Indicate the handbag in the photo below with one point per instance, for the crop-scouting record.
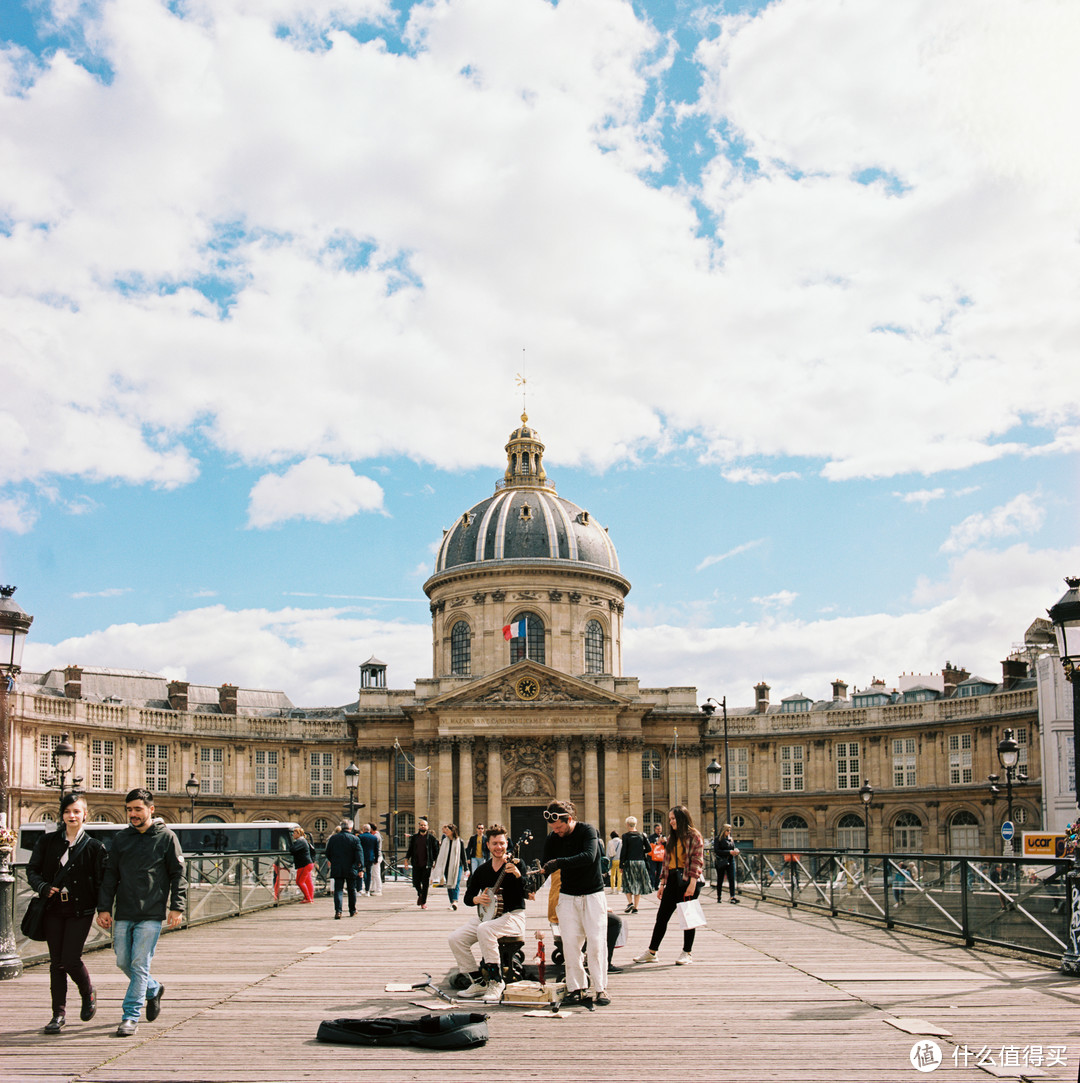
(690, 914)
(33, 922)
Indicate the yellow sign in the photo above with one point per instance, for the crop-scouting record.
(1040, 844)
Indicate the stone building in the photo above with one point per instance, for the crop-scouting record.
(527, 701)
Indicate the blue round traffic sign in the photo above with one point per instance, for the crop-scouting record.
(1008, 830)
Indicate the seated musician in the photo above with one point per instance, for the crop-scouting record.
(498, 886)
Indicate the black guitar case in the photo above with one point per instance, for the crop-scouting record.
(445, 1030)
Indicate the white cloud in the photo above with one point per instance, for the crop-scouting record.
(313, 489)
(921, 496)
(108, 592)
(752, 475)
(1021, 515)
(708, 562)
(781, 599)
(371, 210)
(16, 515)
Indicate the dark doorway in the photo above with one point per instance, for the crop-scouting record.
(531, 818)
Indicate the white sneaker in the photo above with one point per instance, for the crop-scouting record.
(685, 959)
(494, 992)
(646, 957)
(473, 991)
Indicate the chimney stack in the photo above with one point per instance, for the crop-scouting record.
(227, 698)
(1013, 670)
(761, 693)
(839, 690)
(73, 682)
(178, 695)
(953, 676)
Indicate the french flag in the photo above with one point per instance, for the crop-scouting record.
(515, 630)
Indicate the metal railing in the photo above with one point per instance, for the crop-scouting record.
(1010, 902)
(218, 887)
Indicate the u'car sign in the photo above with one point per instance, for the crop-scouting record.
(1043, 844)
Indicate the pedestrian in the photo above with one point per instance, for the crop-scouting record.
(345, 856)
(898, 881)
(303, 864)
(476, 849)
(369, 846)
(144, 880)
(66, 870)
(680, 880)
(421, 855)
(376, 864)
(633, 860)
(614, 848)
(575, 849)
(656, 855)
(724, 851)
(450, 862)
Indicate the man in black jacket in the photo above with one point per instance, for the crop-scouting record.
(144, 876)
(422, 851)
(346, 856)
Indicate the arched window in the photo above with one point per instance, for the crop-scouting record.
(594, 647)
(404, 826)
(851, 832)
(529, 645)
(738, 822)
(907, 834)
(794, 833)
(321, 824)
(963, 833)
(650, 764)
(460, 649)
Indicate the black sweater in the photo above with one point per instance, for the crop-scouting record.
(577, 856)
(82, 875)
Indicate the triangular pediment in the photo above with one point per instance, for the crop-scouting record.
(528, 684)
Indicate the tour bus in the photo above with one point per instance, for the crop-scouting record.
(262, 836)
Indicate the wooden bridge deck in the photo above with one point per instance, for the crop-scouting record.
(773, 995)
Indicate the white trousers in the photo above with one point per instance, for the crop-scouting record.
(487, 933)
(581, 918)
(376, 879)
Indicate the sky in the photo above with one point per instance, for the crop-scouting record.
(793, 287)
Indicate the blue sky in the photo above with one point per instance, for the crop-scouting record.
(795, 284)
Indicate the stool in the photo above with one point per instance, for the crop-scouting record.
(511, 957)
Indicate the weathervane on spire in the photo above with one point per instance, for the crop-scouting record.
(521, 382)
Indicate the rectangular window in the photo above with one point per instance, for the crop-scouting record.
(650, 764)
(847, 765)
(740, 769)
(791, 767)
(904, 773)
(406, 770)
(46, 743)
(322, 774)
(959, 758)
(1021, 737)
(157, 768)
(102, 764)
(266, 765)
(212, 770)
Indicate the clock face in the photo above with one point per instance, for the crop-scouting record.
(527, 688)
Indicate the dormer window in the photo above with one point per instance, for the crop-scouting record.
(467, 518)
(526, 512)
(583, 518)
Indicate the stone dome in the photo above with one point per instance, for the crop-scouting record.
(525, 520)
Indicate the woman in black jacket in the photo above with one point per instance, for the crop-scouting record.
(66, 870)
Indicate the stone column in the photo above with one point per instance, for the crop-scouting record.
(446, 781)
(632, 751)
(614, 794)
(691, 773)
(592, 780)
(465, 821)
(676, 776)
(421, 785)
(562, 768)
(494, 782)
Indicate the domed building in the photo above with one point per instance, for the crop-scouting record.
(527, 700)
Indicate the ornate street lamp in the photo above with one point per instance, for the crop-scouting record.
(708, 707)
(866, 792)
(63, 758)
(1066, 619)
(1008, 752)
(352, 777)
(712, 774)
(14, 625)
(192, 786)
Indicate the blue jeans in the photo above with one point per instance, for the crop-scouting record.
(134, 943)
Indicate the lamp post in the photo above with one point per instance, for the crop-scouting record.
(1008, 752)
(63, 758)
(14, 624)
(709, 706)
(713, 773)
(866, 792)
(1065, 616)
(352, 777)
(192, 786)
